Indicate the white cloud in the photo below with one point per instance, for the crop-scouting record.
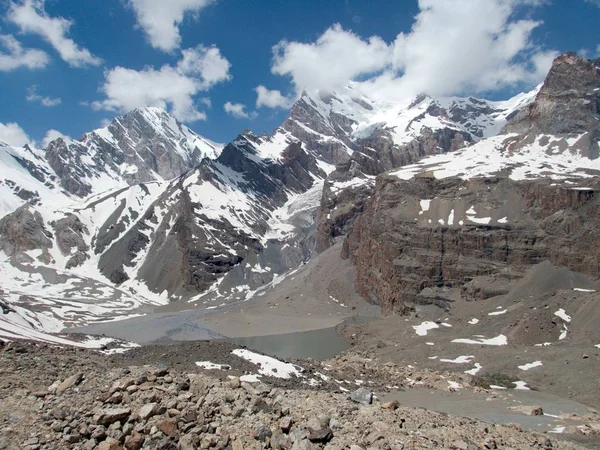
(12, 134)
(205, 63)
(17, 56)
(30, 17)
(336, 57)
(454, 47)
(33, 96)
(52, 135)
(160, 19)
(271, 98)
(170, 87)
(238, 110)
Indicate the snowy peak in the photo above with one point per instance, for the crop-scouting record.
(343, 126)
(144, 145)
(557, 136)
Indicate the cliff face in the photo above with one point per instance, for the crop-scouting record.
(424, 233)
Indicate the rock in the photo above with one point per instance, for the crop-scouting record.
(362, 395)
(321, 436)
(199, 384)
(393, 405)
(285, 424)
(188, 442)
(111, 415)
(147, 411)
(235, 382)
(528, 410)
(262, 432)
(110, 444)
(90, 444)
(69, 382)
(302, 445)
(169, 427)
(279, 441)
(134, 442)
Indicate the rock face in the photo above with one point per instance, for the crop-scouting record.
(531, 197)
(424, 233)
(144, 145)
(568, 102)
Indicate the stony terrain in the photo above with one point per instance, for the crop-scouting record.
(64, 398)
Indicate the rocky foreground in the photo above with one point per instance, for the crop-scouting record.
(65, 398)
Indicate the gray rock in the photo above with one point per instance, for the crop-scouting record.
(362, 395)
(111, 415)
(147, 411)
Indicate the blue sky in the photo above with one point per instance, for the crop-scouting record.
(70, 65)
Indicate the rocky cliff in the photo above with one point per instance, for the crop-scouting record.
(422, 234)
(493, 208)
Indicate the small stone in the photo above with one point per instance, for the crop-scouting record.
(108, 416)
(71, 438)
(393, 405)
(321, 436)
(134, 442)
(285, 424)
(169, 427)
(89, 444)
(362, 395)
(302, 445)
(147, 411)
(279, 441)
(69, 382)
(110, 444)
(262, 432)
(235, 383)
(528, 410)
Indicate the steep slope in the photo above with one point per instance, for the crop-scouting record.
(494, 208)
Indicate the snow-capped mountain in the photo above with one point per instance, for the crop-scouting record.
(146, 212)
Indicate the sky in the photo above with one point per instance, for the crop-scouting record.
(223, 66)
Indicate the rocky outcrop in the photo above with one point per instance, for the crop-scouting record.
(24, 230)
(339, 208)
(424, 233)
(379, 154)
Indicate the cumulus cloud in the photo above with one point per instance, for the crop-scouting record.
(170, 87)
(238, 110)
(454, 47)
(52, 135)
(12, 134)
(271, 98)
(160, 19)
(33, 96)
(16, 56)
(338, 54)
(30, 17)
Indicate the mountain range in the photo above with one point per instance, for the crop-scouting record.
(425, 194)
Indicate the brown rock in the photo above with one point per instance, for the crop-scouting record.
(134, 442)
(110, 444)
(393, 405)
(169, 427)
(69, 382)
